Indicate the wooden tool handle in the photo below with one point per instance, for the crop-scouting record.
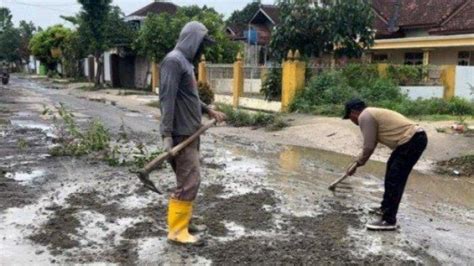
(334, 184)
(161, 158)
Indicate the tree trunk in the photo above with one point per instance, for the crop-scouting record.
(98, 76)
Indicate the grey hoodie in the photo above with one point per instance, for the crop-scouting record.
(181, 108)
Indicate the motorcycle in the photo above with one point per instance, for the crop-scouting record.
(5, 78)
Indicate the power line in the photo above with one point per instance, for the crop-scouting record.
(45, 4)
(38, 6)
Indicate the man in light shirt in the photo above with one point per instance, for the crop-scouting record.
(404, 137)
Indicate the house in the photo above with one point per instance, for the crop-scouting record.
(258, 34)
(437, 32)
(416, 32)
(123, 67)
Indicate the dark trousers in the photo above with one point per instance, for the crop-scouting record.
(399, 166)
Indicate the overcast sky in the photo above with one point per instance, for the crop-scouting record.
(46, 12)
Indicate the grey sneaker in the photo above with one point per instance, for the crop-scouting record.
(381, 225)
(376, 210)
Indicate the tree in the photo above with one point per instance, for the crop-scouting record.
(43, 42)
(26, 30)
(9, 37)
(5, 19)
(342, 27)
(117, 33)
(93, 27)
(150, 41)
(242, 17)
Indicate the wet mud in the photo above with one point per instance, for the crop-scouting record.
(262, 205)
(461, 166)
(246, 210)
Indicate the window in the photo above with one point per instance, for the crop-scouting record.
(379, 58)
(413, 58)
(465, 58)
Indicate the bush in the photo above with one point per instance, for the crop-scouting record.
(328, 88)
(405, 74)
(336, 87)
(205, 93)
(380, 89)
(455, 106)
(271, 86)
(359, 75)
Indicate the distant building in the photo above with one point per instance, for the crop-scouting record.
(419, 32)
(258, 34)
(407, 32)
(123, 67)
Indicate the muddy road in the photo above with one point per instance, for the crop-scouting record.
(263, 203)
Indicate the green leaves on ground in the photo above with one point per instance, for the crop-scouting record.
(97, 141)
(241, 118)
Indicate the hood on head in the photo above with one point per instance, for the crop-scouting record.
(190, 39)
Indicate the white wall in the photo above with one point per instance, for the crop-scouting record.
(465, 82)
(38, 63)
(107, 70)
(423, 92)
(225, 85)
(86, 67)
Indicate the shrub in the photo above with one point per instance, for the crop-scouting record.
(205, 93)
(380, 89)
(405, 74)
(271, 86)
(359, 75)
(455, 106)
(460, 106)
(329, 87)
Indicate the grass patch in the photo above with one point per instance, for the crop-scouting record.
(241, 118)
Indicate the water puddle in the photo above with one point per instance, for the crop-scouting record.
(15, 225)
(157, 251)
(25, 176)
(30, 124)
(133, 115)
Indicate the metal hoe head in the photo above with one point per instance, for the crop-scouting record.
(144, 178)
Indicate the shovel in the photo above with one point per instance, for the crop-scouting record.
(144, 174)
(332, 187)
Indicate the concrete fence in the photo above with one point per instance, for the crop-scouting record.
(240, 85)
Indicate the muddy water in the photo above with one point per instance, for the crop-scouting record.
(437, 212)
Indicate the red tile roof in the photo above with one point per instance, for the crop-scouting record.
(156, 8)
(437, 16)
(461, 22)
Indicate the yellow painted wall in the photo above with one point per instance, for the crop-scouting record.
(440, 56)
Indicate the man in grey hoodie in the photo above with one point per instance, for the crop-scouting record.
(181, 112)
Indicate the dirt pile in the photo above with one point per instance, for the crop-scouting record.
(462, 166)
(246, 210)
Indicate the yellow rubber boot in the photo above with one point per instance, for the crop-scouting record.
(179, 215)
